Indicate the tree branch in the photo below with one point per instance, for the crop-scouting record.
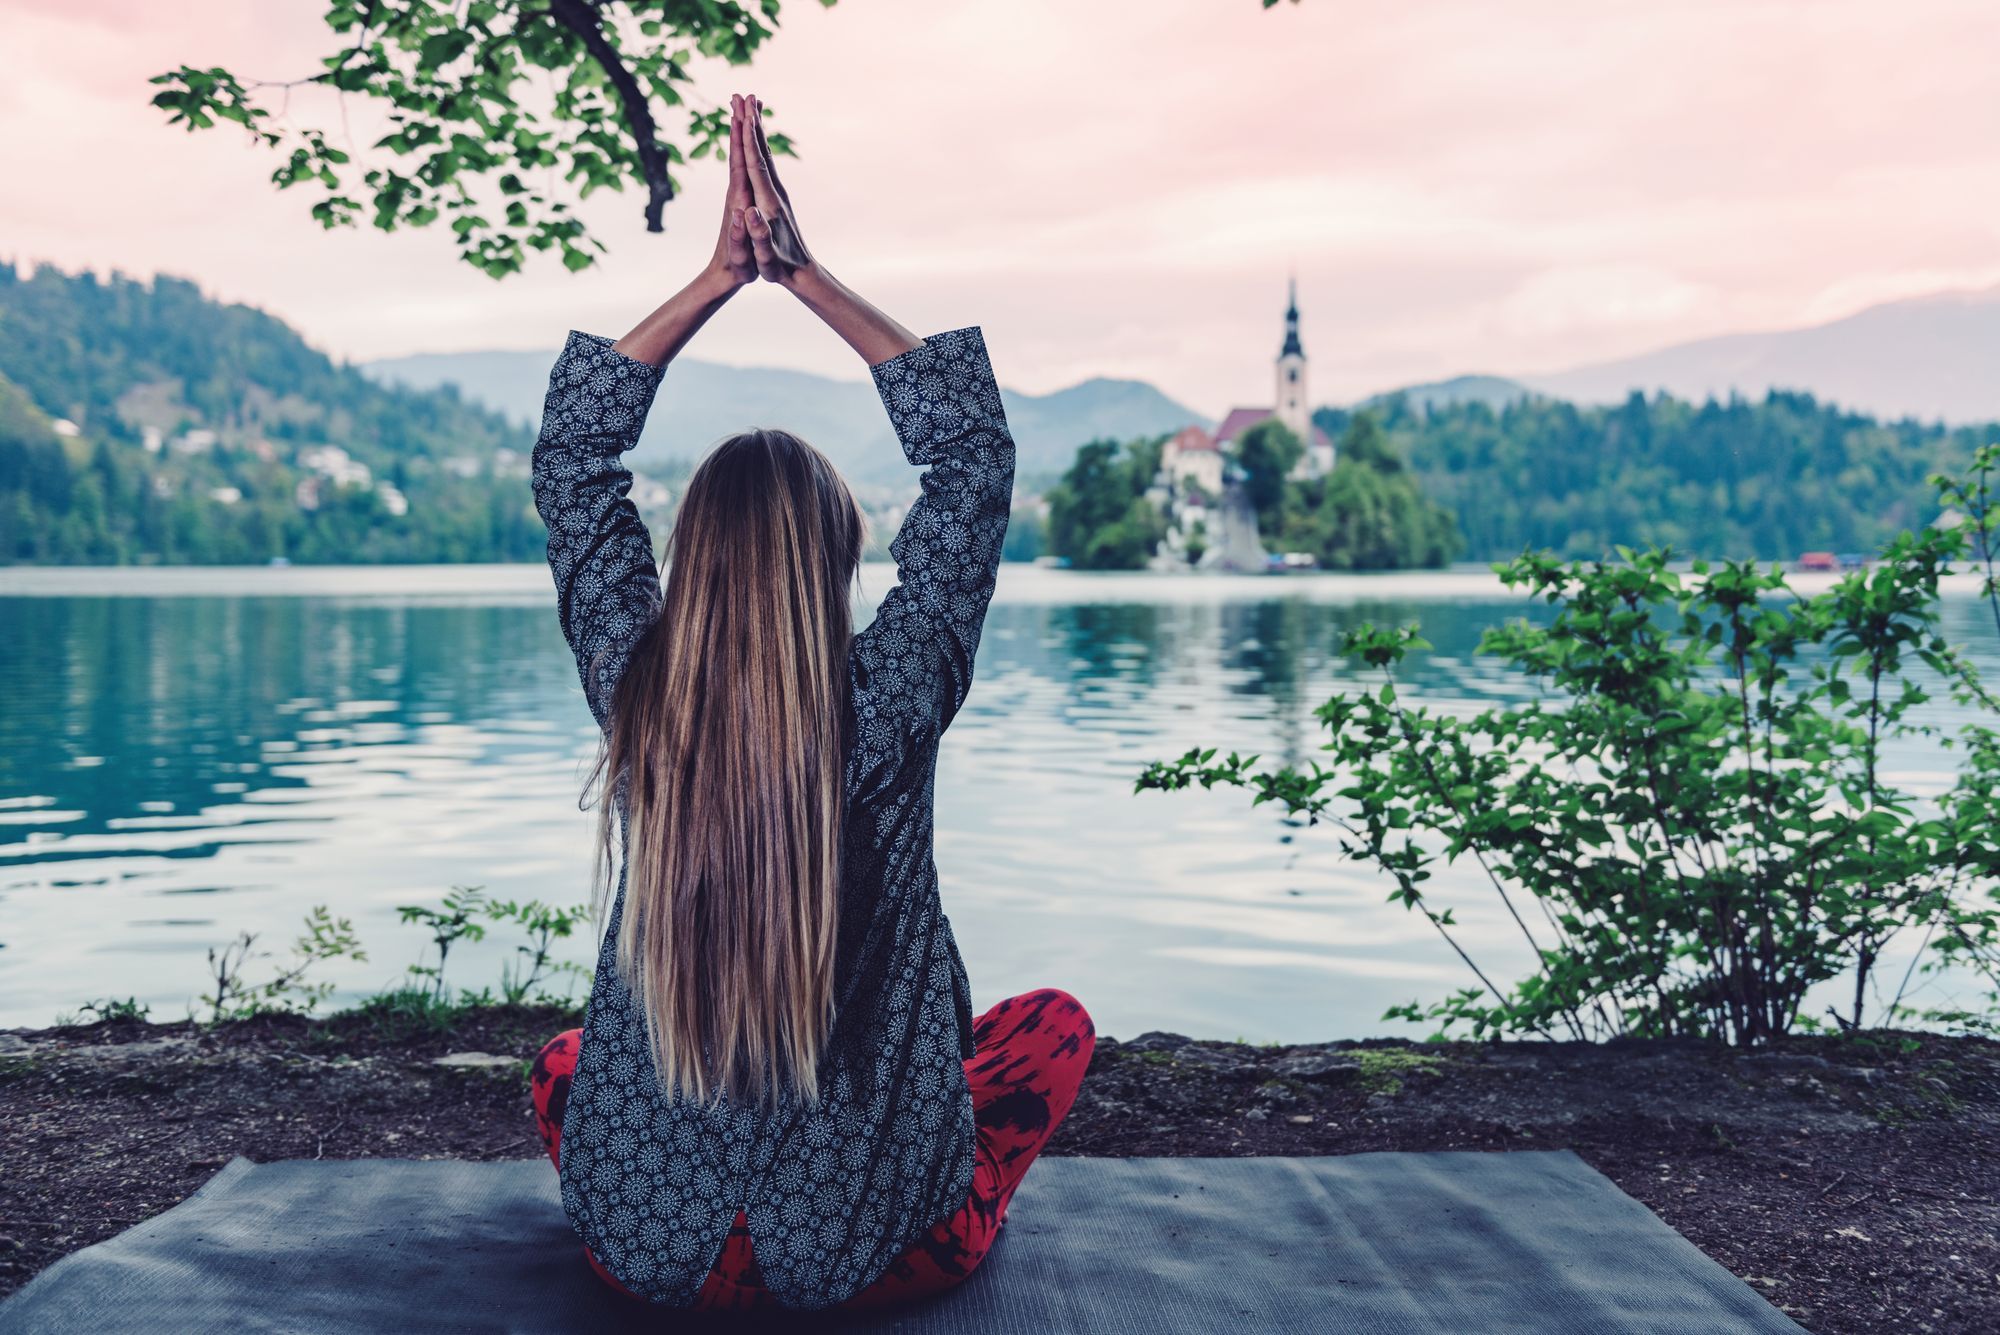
(582, 19)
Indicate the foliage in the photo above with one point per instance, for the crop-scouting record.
(455, 922)
(1369, 513)
(1697, 827)
(1197, 542)
(1975, 499)
(545, 925)
(325, 938)
(1266, 453)
(1099, 516)
(1767, 478)
(118, 357)
(1027, 535)
(424, 1003)
(413, 1009)
(1381, 1070)
(489, 105)
(111, 1008)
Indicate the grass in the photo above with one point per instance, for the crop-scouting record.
(406, 1012)
(1382, 1069)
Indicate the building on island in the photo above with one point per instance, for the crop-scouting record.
(1191, 459)
(1292, 407)
(1196, 475)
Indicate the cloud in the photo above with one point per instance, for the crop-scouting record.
(1122, 187)
(1599, 296)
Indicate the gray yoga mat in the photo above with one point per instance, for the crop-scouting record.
(1451, 1242)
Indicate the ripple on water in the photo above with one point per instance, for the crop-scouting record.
(365, 739)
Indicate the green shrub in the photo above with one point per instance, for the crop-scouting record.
(1694, 826)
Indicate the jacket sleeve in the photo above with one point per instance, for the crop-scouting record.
(915, 658)
(607, 583)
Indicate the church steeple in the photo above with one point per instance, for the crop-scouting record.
(1292, 347)
(1291, 368)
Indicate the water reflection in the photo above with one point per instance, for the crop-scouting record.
(180, 765)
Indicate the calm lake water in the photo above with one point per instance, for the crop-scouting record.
(185, 754)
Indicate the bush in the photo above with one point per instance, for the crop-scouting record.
(1694, 827)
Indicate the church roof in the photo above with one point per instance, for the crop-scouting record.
(1192, 439)
(1242, 419)
(1239, 421)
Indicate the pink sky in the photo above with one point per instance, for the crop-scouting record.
(1120, 187)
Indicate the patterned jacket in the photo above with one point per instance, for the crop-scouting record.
(832, 1194)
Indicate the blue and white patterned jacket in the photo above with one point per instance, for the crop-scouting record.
(833, 1194)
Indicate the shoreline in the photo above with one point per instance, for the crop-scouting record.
(1023, 582)
(1852, 1180)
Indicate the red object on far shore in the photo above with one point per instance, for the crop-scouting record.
(1818, 561)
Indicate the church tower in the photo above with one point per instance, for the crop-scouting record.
(1292, 409)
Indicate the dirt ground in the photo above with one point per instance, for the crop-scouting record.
(1854, 1181)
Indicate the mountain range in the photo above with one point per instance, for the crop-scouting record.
(1931, 358)
(143, 421)
(701, 402)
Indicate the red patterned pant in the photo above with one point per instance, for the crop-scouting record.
(1032, 1052)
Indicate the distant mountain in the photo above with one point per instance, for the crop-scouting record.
(1492, 390)
(1935, 358)
(701, 402)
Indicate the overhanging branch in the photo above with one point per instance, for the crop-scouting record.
(582, 19)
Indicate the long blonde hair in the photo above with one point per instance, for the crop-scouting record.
(728, 735)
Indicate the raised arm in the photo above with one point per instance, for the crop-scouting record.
(916, 657)
(607, 582)
(607, 585)
(945, 405)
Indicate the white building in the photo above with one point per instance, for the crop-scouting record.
(336, 466)
(649, 494)
(1192, 457)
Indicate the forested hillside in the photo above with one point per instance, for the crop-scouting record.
(1734, 478)
(144, 422)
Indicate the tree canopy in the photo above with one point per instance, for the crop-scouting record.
(1266, 453)
(1369, 513)
(1736, 477)
(490, 104)
(1099, 517)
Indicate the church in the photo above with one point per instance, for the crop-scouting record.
(1194, 460)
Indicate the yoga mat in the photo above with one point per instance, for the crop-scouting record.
(1451, 1242)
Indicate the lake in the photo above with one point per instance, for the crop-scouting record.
(188, 753)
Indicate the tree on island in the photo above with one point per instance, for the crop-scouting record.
(1266, 454)
(463, 147)
(1369, 513)
(1099, 516)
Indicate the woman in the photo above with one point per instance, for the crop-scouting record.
(779, 1095)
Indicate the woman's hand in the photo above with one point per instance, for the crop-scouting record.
(733, 259)
(659, 337)
(778, 250)
(778, 253)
